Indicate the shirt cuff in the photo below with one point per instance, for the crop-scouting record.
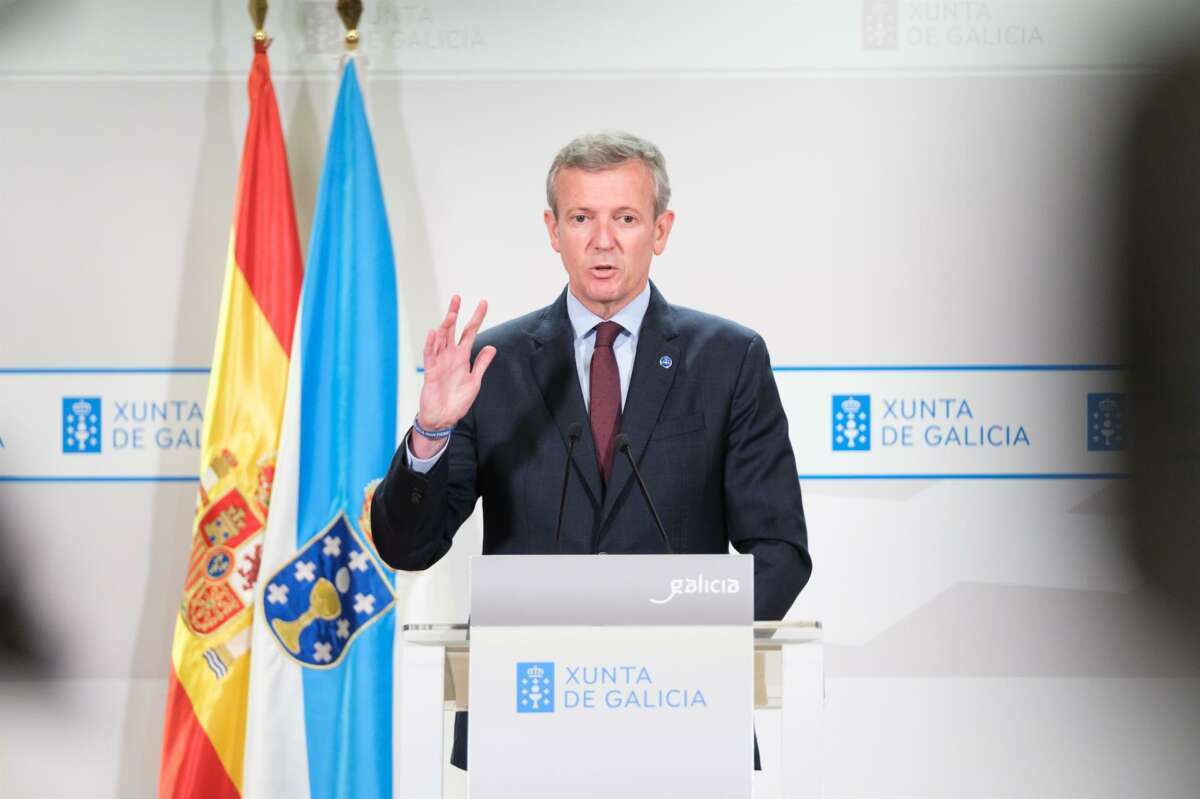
(422, 465)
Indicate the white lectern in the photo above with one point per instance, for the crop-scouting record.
(610, 676)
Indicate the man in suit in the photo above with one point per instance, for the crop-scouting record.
(694, 394)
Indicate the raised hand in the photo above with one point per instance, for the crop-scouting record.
(451, 385)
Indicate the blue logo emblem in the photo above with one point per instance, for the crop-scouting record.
(665, 362)
(81, 425)
(535, 687)
(1106, 422)
(325, 596)
(851, 422)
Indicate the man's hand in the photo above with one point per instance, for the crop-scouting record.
(451, 385)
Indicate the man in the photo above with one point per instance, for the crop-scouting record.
(694, 394)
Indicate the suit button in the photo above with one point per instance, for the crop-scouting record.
(415, 498)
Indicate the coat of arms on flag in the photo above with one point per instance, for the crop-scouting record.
(223, 566)
(323, 597)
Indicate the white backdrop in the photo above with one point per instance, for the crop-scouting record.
(894, 193)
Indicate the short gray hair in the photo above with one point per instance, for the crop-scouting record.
(593, 152)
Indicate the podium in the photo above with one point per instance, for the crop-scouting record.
(609, 676)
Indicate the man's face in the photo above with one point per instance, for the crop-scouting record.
(606, 233)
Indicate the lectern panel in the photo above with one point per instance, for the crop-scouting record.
(608, 712)
(601, 677)
(612, 589)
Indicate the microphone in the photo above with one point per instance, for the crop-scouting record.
(573, 434)
(622, 442)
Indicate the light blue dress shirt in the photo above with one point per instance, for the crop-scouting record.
(584, 322)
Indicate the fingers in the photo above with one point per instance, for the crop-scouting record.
(445, 331)
(482, 361)
(430, 342)
(468, 336)
(439, 340)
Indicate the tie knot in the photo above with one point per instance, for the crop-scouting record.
(606, 333)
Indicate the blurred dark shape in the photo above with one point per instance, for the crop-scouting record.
(20, 652)
(1162, 262)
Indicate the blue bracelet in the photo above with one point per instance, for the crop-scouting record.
(431, 433)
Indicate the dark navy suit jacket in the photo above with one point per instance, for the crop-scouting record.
(706, 426)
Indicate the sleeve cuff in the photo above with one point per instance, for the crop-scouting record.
(422, 465)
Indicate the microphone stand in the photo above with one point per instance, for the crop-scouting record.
(573, 434)
(622, 442)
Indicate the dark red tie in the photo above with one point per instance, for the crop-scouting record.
(605, 401)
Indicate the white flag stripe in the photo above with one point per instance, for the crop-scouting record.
(276, 759)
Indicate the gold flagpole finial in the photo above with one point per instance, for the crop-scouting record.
(258, 14)
(350, 11)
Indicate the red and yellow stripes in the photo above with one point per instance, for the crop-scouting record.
(206, 702)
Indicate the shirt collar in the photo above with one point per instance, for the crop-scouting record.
(630, 317)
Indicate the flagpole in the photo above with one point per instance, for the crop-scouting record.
(258, 14)
(350, 11)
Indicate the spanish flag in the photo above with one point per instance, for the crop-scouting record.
(205, 728)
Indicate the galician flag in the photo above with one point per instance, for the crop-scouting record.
(205, 726)
(320, 718)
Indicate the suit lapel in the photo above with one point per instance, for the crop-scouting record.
(557, 377)
(648, 389)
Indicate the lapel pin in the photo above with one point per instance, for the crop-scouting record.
(665, 362)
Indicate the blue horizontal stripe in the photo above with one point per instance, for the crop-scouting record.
(12, 478)
(979, 476)
(966, 367)
(997, 367)
(107, 370)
